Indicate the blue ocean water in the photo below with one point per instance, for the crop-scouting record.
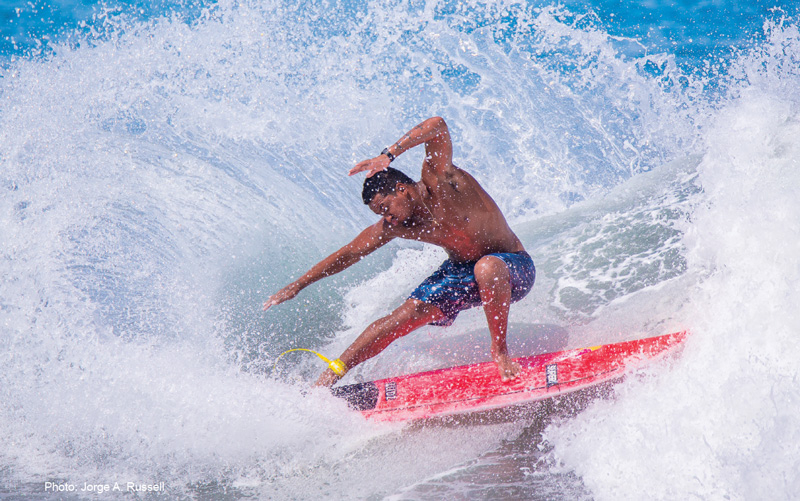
(31, 27)
(165, 166)
(694, 32)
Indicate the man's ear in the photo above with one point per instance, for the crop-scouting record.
(400, 187)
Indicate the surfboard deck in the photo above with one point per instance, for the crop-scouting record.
(478, 387)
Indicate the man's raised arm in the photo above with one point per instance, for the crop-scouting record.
(368, 241)
(438, 148)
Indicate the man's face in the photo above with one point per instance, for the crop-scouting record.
(395, 208)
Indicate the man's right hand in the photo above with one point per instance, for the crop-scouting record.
(285, 294)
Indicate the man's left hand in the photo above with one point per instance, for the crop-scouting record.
(372, 166)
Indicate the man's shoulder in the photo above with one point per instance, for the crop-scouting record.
(433, 178)
(372, 237)
(383, 230)
(448, 179)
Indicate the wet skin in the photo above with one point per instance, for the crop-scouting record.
(446, 207)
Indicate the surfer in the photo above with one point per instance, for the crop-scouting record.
(487, 264)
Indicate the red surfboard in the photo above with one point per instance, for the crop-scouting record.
(478, 387)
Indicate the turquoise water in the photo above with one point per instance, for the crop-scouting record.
(695, 32)
(32, 27)
(167, 166)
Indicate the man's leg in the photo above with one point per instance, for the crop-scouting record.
(494, 284)
(411, 315)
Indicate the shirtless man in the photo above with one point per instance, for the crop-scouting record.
(487, 263)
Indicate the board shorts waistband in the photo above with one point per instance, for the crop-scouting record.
(453, 288)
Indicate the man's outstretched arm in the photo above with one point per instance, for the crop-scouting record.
(433, 132)
(368, 241)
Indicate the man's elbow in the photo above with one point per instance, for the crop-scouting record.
(438, 123)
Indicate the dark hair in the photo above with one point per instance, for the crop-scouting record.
(384, 182)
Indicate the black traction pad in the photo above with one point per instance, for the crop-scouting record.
(360, 396)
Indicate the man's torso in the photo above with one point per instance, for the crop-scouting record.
(466, 222)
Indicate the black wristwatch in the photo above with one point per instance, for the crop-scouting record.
(386, 152)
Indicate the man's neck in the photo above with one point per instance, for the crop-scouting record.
(424, 213)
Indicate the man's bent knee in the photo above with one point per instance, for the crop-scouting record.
(409, 316)
(491, 268)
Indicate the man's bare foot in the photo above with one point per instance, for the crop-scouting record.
(509, 369)
(327, 379)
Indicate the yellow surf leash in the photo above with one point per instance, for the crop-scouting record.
(337, 366)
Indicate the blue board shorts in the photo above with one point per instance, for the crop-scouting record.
(453, 288)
